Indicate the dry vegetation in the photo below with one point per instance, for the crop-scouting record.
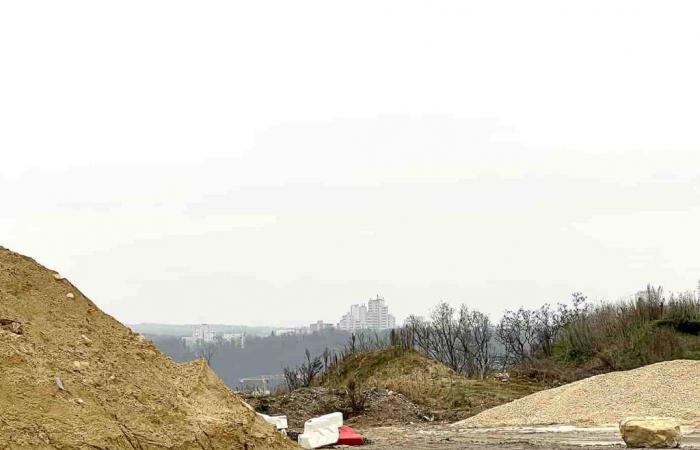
(629, 334)
(425, 382)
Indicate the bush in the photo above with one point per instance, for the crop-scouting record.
(356, 397)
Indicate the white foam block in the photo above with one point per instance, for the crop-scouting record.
(319, 437)
(332, 420)
(280, 422)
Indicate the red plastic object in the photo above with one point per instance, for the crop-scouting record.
(349, 437)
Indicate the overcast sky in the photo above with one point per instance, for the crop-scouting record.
(273, 162)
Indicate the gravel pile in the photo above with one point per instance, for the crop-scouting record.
(670, 389)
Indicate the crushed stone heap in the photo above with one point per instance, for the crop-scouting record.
(73, 377)
(666, 389)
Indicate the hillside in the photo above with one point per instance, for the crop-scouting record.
(73, 377)
(425, 382)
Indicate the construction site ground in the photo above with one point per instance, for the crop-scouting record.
(447, 437)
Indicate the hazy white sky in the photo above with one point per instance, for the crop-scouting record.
(272, 162)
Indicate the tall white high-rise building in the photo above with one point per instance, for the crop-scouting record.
(374, 316)
(355, 319)
(378, 316)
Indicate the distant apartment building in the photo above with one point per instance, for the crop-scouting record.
(320, 326)
(378, 316)
(288, 331)
(205, 334)
(355, 319)
(237, 339)
(374, 316)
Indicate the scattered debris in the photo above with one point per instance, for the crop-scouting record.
(382, 407)
(502, 377)
(348, 436)
(59, 383)
(321, 431)
(280, 422)
(651, 432)
(70, 295)
(58, 276)
(328, 430)
(80, 365)
(13, 326)
(86, 339)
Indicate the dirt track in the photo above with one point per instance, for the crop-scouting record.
(431, 437)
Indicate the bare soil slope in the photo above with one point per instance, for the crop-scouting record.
(72, 377)
(670, 389)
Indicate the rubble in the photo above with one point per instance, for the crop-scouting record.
(651, 432)
(328, 430)
(321, 431)
(13, 326)
(382, 407)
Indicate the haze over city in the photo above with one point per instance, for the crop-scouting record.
(186, 177)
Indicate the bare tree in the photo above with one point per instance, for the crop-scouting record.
(305, 374)
(465, 340)
(309, 369)
(421, 332)
(206, 351)
(482, 333)
(462, 343)
(291, 378)
(516, 331)
(445, 336)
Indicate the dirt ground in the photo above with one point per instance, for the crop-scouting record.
(442, 436)
(391, 421)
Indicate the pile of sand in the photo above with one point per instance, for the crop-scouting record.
(73, 377)
(670, 389)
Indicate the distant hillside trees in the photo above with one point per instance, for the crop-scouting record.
(459, 338)
(529, 333)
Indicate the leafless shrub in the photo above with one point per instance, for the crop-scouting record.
(206, 351)
(357, 398)
(305, 374)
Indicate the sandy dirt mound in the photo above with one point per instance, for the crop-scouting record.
(670, 389)
(72, 377)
